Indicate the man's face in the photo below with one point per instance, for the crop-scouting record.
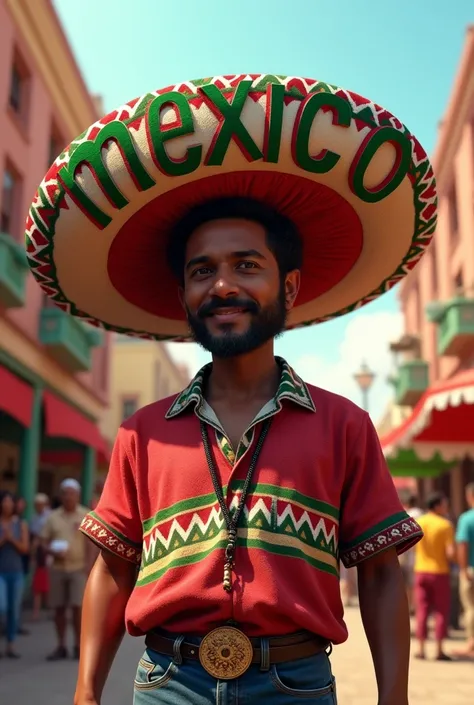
(443, 507)
(40, 506)
(233, 296)
(69, 498)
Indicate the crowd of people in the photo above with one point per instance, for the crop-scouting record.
(53, 558)
(47, 560)
(445, 552)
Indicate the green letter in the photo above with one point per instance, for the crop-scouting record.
(230, 125)
(90, 153)
(375, 139)
(159, 134)
(342, 114)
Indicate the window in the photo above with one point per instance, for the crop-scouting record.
(56, 145)
(10, 201)
(459, 284)
(129, 407)
(434, 264)
(19, 87)
(453, 214)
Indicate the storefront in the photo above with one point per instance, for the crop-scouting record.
(436, 442)
(43, 439)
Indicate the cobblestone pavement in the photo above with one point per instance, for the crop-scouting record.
(33, 680)
(431, 682)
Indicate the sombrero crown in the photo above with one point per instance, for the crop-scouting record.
(353, 179)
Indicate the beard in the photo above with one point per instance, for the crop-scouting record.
(265, 324)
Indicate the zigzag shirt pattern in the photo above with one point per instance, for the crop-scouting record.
(276, 520)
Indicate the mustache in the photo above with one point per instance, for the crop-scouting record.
(209, 307)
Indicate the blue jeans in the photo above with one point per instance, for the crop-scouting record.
(160, 680)
(11, 595)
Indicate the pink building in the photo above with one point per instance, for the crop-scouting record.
(436, 355)
(53, 369)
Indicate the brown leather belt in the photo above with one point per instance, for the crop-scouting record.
(281, 648)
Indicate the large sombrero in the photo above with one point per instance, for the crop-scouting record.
(355, 181)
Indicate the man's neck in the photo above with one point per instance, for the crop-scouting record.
(245, 377)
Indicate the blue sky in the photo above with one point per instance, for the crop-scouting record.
(404, 56)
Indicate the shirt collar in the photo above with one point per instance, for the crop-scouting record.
(291, 387)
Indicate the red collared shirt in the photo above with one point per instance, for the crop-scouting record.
(321, 493)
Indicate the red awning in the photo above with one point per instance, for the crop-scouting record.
(63, 421)
(442, 421)
(16, 397)
(72, 457)
(404, 483)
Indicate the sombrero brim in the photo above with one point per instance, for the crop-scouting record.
(98, 228)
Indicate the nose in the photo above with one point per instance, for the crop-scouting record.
(224, 285)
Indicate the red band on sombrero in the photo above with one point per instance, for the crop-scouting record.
(356, 183)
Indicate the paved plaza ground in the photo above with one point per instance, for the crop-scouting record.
(32, 681)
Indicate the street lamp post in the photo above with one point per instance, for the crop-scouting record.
(364, 378)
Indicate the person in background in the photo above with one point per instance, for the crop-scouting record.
(62, 539)
(433, 555)
(407, 559)
(465, 555)
(20, 510)
(40, 584)
(14, 544)
(42, 511)
(348, 585)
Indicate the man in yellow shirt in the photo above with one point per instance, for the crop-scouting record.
(433, 555)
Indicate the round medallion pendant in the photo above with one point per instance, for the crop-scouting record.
(225, 653)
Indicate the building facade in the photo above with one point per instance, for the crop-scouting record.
(435, 376)
(53, 370)
(141, 372)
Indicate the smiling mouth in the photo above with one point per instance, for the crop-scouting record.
(227, 314)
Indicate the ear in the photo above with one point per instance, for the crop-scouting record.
(292, 287)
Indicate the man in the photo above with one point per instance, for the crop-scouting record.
(433, 555)
(236, 304)
(238, 498)
(465, 555)
(42, 511)
(407, 560)
(69, 550)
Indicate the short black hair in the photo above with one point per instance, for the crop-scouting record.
(412, 501)
(434, 500)
(283, 238)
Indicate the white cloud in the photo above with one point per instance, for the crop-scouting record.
(367, 338)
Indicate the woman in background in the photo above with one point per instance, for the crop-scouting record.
(14, 544)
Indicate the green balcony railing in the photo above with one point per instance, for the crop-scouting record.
(455, 320)
(410, 382)
(68, 340)
(13, 272)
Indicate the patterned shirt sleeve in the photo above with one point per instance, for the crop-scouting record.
(115, 523)
(372, 516)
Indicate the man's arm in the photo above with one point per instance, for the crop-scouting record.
(451, 553)
(107, 592)
(374, 527)
(385, 615)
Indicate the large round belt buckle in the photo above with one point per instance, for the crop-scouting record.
(225, 653)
